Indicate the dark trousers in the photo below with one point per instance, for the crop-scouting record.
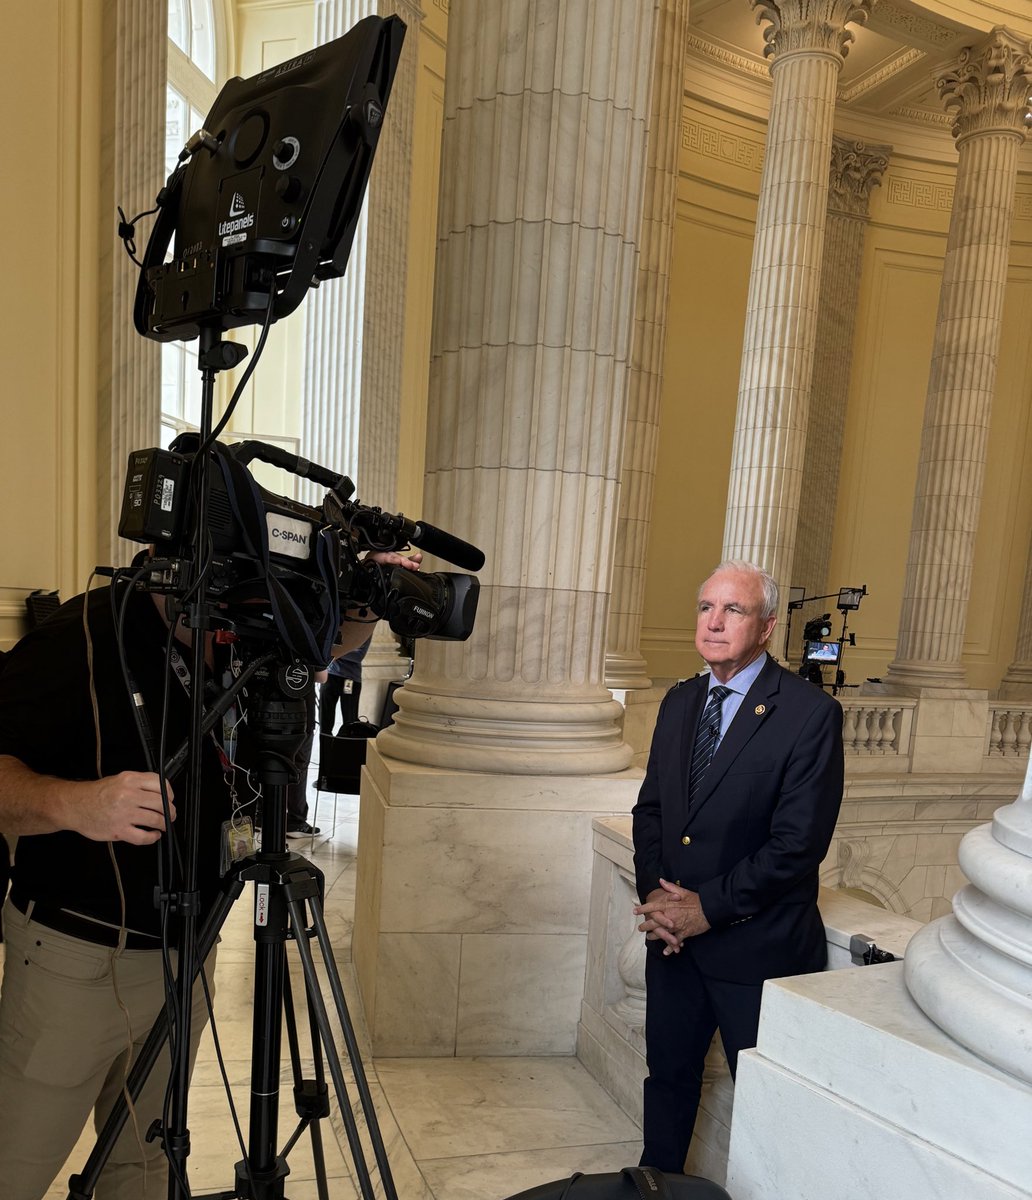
(684, 1008)
(332, 691)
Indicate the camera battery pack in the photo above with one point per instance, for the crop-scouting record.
(155, 496)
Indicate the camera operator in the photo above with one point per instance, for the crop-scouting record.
(83, 978)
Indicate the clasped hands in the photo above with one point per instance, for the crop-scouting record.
(671, 914)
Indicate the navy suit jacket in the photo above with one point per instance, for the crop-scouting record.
(753, 841)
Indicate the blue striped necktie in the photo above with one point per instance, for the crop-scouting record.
(706, 739)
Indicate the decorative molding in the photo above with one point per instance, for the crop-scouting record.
(874, 79)
(728, 57)
(923, 116)
(712, 142)
(988, 86)
(856, 169)
(920, 193)
(802, 25)
(913, 26)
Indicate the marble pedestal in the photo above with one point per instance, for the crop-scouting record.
(471, 912)
(852, 1091)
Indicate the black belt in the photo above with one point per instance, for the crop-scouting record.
(62, 921)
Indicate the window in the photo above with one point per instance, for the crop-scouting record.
(190, 93)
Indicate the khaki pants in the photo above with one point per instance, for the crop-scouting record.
(64, 1051)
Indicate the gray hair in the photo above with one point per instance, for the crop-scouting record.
(768, 586)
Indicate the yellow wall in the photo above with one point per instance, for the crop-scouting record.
(50, 90)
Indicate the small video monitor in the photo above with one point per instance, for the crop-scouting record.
(849, 598)
(822, 654)
(796, 596)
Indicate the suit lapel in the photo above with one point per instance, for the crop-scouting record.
(757, 705)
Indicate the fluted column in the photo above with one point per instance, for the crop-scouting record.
(546, 103)
(133, 149)
(856, 169)
(334, 319)
(806, 41)
(388, 203)
(1017, 682)
(988, 90)
(625, 666)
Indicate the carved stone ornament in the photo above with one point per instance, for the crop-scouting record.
(988, 88)
(799, 25)
(856, 169)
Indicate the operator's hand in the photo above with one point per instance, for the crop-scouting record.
(121, 808)
(391, 558)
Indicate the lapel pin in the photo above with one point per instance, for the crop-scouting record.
(760, 709)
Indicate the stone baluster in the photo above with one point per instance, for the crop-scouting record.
(988, 90)
(806, 41)
(540, 215)
(133, 151)
(625, 665)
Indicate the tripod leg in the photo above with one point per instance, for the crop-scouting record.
(81, 1186)
(297, 915)
(311, 1099)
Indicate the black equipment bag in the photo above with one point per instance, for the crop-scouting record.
(342, 755)
(632, 1183)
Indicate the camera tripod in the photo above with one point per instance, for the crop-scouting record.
(288, 892)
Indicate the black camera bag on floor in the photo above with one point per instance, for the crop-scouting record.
(632, 1183)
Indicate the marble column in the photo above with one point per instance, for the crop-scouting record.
(625, 665)
(806, 41)
(546, 104)
(133, 150)
(988, 91)
(334, 320)
(971, 972)
(472, 884)
(383, 331)
(856, 169)
(1017, 682)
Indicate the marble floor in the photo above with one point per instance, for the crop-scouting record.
(455, 1129)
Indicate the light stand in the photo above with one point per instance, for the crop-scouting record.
(847, 601)
(263, 204)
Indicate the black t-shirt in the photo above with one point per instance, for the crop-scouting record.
(46, 720)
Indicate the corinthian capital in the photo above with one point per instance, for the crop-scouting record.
(988, 87)
(856, 169)
(797, 25)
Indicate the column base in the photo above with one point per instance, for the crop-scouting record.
(903, 674)
(579, 735)
(627, 672)
(471, 912)
(873, 1100)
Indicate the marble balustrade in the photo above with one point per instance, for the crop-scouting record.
(881, 733)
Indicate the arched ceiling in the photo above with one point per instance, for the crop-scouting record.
(893, 63)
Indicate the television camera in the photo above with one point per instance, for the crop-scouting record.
(303, 560)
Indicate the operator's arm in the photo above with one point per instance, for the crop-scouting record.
(119, 808)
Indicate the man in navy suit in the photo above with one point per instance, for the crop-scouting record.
(734, 817)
